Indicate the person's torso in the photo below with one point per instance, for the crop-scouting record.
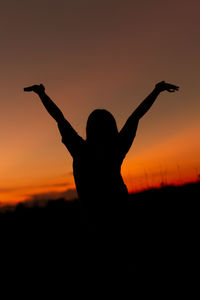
(97, 172)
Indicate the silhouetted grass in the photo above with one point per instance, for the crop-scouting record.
(158, 230)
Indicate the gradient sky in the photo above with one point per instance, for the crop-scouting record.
(97, 54)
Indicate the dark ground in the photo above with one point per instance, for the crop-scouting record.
(157, 234)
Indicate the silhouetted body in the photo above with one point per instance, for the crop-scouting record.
(97, 164)
(97, 160)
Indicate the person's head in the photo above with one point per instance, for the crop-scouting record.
(101, 126)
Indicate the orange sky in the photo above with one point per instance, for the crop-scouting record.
(97, 54)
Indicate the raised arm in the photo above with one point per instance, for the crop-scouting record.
(128, 132)
(69, 136)
(50, 106)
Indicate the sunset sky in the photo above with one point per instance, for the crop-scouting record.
(97, 54)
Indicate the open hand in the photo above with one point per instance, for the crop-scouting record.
(163, 86)
(38, 89)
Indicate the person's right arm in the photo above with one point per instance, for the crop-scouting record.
(128, 132)
(69, 136)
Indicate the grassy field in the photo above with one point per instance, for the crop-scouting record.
(157, 231)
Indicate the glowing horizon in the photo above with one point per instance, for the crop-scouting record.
(141, 171)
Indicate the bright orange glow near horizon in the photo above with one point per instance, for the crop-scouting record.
(97, 54)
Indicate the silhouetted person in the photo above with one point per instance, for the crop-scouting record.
(97, 160)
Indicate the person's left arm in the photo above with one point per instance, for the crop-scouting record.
(70, 137)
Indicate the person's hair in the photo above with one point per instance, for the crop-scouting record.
(101, 125)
